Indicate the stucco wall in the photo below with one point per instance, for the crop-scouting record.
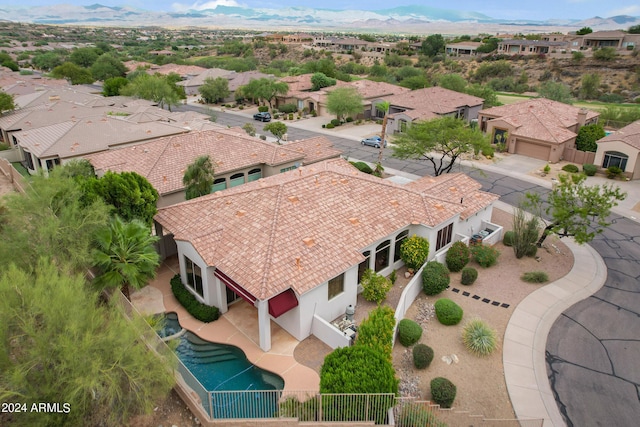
(633, 163)
(208, 280)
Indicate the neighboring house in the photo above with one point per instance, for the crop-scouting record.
(193, 84)
(538, 128)
(621, 148)
(529, 47)
(295, 245)
(426, 104)
(466, 48)
(237, 159)
(619, 40)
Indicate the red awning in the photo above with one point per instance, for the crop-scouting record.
(235, 287)
(282, 303)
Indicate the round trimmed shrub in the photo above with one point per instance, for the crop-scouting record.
(414, 251)
(479, 338)
(409, 332)
(486, 256)
(422, 356)
(570, 168)
(469, 275)
(589, 169)
(508, 238)
(457, 256)
(362, 167)
(448, 312)
(263, 108)
(435, 278)
(443, 392)
(330, 126)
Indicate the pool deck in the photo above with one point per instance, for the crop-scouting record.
(239, 327)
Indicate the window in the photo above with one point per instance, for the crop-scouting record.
(29, 160)
(219, 184)
(336, 286)
(444, 236)
(236, 179)
(399, 239)
(382, 255)
(363, 265)
(254, 175)
(51, 163)
(290, 168)
(615, 158)
(194, 276)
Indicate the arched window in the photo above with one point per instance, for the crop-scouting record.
(396, 248)
(219, 184)
(236, 179)
(254, 175)
(382, 255)
(615, 158)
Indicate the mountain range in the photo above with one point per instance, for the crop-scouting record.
(405, 19)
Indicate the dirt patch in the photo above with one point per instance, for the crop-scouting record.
(172, 411)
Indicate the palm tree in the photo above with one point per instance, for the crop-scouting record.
(382, 106)
(125, 255)
(198, 178)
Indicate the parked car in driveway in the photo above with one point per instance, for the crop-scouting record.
(373, 141)
(262, 116)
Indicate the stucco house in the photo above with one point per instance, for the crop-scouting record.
(295, 245)
(237, 159)
(425, 104)
(465, 48)
(538, 128)
(621, 148)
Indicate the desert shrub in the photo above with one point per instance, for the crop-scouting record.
(263, 137)
(488, 151)
(535, 277)
(335, 122)
(479, 338)
(349, 119)
(589, 169)
(613, 172)
(532, 251)
(204, 313)
(469, 275)
(330, 126)
(288, 108)
(525, 233)
(375, 286)
(570, 168)
(457, 256)
(362, 167)
(485, 256)
(263, 108)
(376, 331)
(443, 392)
(422, 356)
(508, 238)
(414, 251)
(4, 146)
(409, 332)
(435, 278)
(417, 415)
(448, 312)
(393, 277)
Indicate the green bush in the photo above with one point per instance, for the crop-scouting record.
(414, 251)
(362, 167)
(570, 168)
(457, 256)
(435, 278)
(409, 332)
(375, 286)
(263, 108)
(535, 277)
(443, 392)
(589, 169)
(488, 151)
(422, 356)
(4, 146)
(376, 331)
(393, 277)
(613, 172)
(532, 250)
(417, 415)
(288, 108)
(485, 256)
(349, 119)
(508, 238)
(335, 122)
(448, 312)
(469, 275)
(479, 338)
(204, 313)
(330, 126)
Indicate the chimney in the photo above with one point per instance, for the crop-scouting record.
(582, 118)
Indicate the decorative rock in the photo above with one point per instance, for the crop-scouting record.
(407, 274)
(454, 358)
(447, 360)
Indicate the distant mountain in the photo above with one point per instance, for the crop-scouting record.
(405, 19)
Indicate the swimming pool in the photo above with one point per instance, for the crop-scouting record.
(225, 368)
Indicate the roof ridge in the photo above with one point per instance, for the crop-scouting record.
(169, 138)
(547, 127)
(271, 244)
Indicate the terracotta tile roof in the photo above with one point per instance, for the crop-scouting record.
(435, 99)
(300, 228)
(240, 79)
(370, 89)
(210, 73)
(629, 135)
(163, 161)
(301, 83)
(182, 70)
(314, 149)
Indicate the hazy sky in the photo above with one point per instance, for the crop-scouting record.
(505, 9)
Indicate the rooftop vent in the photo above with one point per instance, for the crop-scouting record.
(293, 199)
(240, 213)
(394, 203)
(354, 221)
(309, 241)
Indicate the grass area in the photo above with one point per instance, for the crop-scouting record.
(23, 171)
(511, 98)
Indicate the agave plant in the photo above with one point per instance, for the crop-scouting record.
(479, 338)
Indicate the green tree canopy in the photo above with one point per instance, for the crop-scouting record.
(264, 89)
(125, 255)
(440, 141)
(112, 86)
(556, 91)
(344, 101)
(577, 209)
(320, 80)
(154, 88)
(433, 45)
(6, 102)
(46, 61)
(635, 29)
(214, 90)
(452, 82)
(584, 30)
(84, 56)
(61, 345)
(588, 135)
(198, 177)
(74, 73)
(108, 66)
(590, 85)
(278, 129)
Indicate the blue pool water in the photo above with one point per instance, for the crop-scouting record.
(222, 367)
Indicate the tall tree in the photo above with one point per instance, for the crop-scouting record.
(125, 255)
(588, 136)
(84, 56)
(433, 45)
(74, 73)
(320, 80)
(278, 129)
(154, 88)
(344, 101)
(384, 107)
(6, 102)
(577, 209)
(198, 177)
(440, 141)
(61, 345)
(264, 89)
(214, 90)
(108, 66)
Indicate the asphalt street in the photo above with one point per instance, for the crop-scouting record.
(593, 349)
